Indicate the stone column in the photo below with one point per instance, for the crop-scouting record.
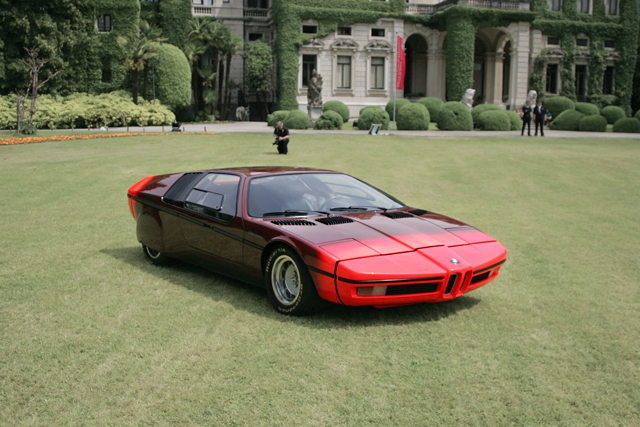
(436, 73)
(519, 81)
(493, 77)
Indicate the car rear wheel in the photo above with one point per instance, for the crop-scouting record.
(289, 284)
(154, 257)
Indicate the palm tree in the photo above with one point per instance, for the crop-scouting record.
(201, 30)
(208, 75)
(193, 51)
(153, 35)
(232, 44)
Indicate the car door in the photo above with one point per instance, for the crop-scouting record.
(211, 223)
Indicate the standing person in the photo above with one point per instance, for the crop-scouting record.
(525, 113)
(539, 116)
(281, 134)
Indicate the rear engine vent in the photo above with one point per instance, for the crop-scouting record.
(480, 277)
(396, 215)
(452, 281)
(333, 220)
(419, 212)
(293, 222)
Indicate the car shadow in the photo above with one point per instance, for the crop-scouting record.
(253, 299)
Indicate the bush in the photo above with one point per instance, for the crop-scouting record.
(277, 116)
(627, 125)
(339, 107)
(297, 120)
(557, 104)
(331, 120)
(31, 130)
(173, 77)
(495, 120)
(637, 115)
(455, 116)
(371, 115)
(413, 117)
(369, 106)
(400, 102)
(567, 120)
(514, 118)
(593, 123)
(613, 113)
(479, 109)
(434, 105)
(587, 109)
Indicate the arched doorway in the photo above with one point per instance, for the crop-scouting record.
(479, 71)
(506, 71)
(415, 81)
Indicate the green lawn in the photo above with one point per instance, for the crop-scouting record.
(93, 335)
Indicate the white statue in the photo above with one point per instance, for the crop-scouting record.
(467, 99)
(241, 113)
(531, 97)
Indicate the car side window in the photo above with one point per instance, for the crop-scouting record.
(215, 195)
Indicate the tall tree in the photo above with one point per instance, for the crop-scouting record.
(153, 35)
(197, 44)
(232, 44)
(260, 69)
(35, 64)
(194, 51)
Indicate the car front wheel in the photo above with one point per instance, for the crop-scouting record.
(154, 257)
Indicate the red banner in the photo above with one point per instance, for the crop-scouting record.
(401, 64)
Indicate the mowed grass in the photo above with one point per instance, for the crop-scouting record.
(93, 335)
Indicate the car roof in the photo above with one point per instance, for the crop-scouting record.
(268, 170)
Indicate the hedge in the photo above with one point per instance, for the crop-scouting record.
(637, 115)
(371, 115)
(400, 102)
(413, 116)
(593, 123)
(587, 109)
(434, 105)
(277, 116)
(495, 120)
(514, 118)
(558, 104)
(567, 120)
(479, 109)
(297, 120)
(331, 120)
(613, 113)
(455, 116)
(627, 125)
(339, 107)
(173, 77)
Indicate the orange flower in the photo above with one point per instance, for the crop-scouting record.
(34, 139)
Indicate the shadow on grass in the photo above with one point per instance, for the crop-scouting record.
(254, 299)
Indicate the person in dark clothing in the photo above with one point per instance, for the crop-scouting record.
(539, 116)
(525, 113)
(281, 134)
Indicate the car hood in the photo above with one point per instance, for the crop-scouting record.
(375, 233)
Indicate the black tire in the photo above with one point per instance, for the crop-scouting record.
(289, 284)
(154, 257)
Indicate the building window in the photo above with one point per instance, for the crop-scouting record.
(582, 42)
(612, 7)
(104, 23)
(552, 78)
(610, 43)
(254, 36)
(607, 83)
(308, 65)
(377, 73)
(344, 31)
(309, 29)
(203, 2)
(555, 5)
(377, 32)
(257, 4)
(553, 41)
(583, 6)
(344, 72)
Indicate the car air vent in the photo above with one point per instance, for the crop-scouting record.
(179, 190)
(396, 215)
(419, 212)
(293, 222)
(333, 220)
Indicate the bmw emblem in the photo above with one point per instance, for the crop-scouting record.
(454, 261)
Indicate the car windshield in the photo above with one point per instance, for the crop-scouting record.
(314, 194)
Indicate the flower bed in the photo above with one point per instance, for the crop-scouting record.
(34, 139)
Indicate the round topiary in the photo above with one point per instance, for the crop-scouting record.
(370, 116)
(369, 106)
(455, 116)
(567, 120)
(413, 117)
(593, 123)
(613, 113)
(331, 120)
(277, 116)
(588, 109)
(173, 77)
(495, 120)
(514, 118)
(627, 125)
(400, 102)
(297, 120)
(339, 107)
(637, 115)
(434, 105)
(479, 109)
(557, 104)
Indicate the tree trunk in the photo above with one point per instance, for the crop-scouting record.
(216, 58)
(18, 115)
(145, 76)
(266, 106)
(221, 71)
(134, 85)
(195, 88)
(227, 97)
(34, 95)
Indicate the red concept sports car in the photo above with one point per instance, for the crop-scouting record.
(309, 235)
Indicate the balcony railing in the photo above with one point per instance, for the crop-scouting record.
(430, 9)
(201, 10)
(255, 12)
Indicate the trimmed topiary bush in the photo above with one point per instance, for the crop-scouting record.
(339, 107)
(593, 123)
(173, 77)
(613, 113)
(371, 115)
(369, 106)
(434, 105)
(297, 120)
(400, 102)
(331, 120)
(277, 116)
(567, 120)
(413, 117)
(514, 118)
(495, 120)
(455, 116)
(627, 125)
(557, 104)
(479, 109)
(587, 109)
(637, 115)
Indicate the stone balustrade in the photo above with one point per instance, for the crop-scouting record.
(430, 9)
